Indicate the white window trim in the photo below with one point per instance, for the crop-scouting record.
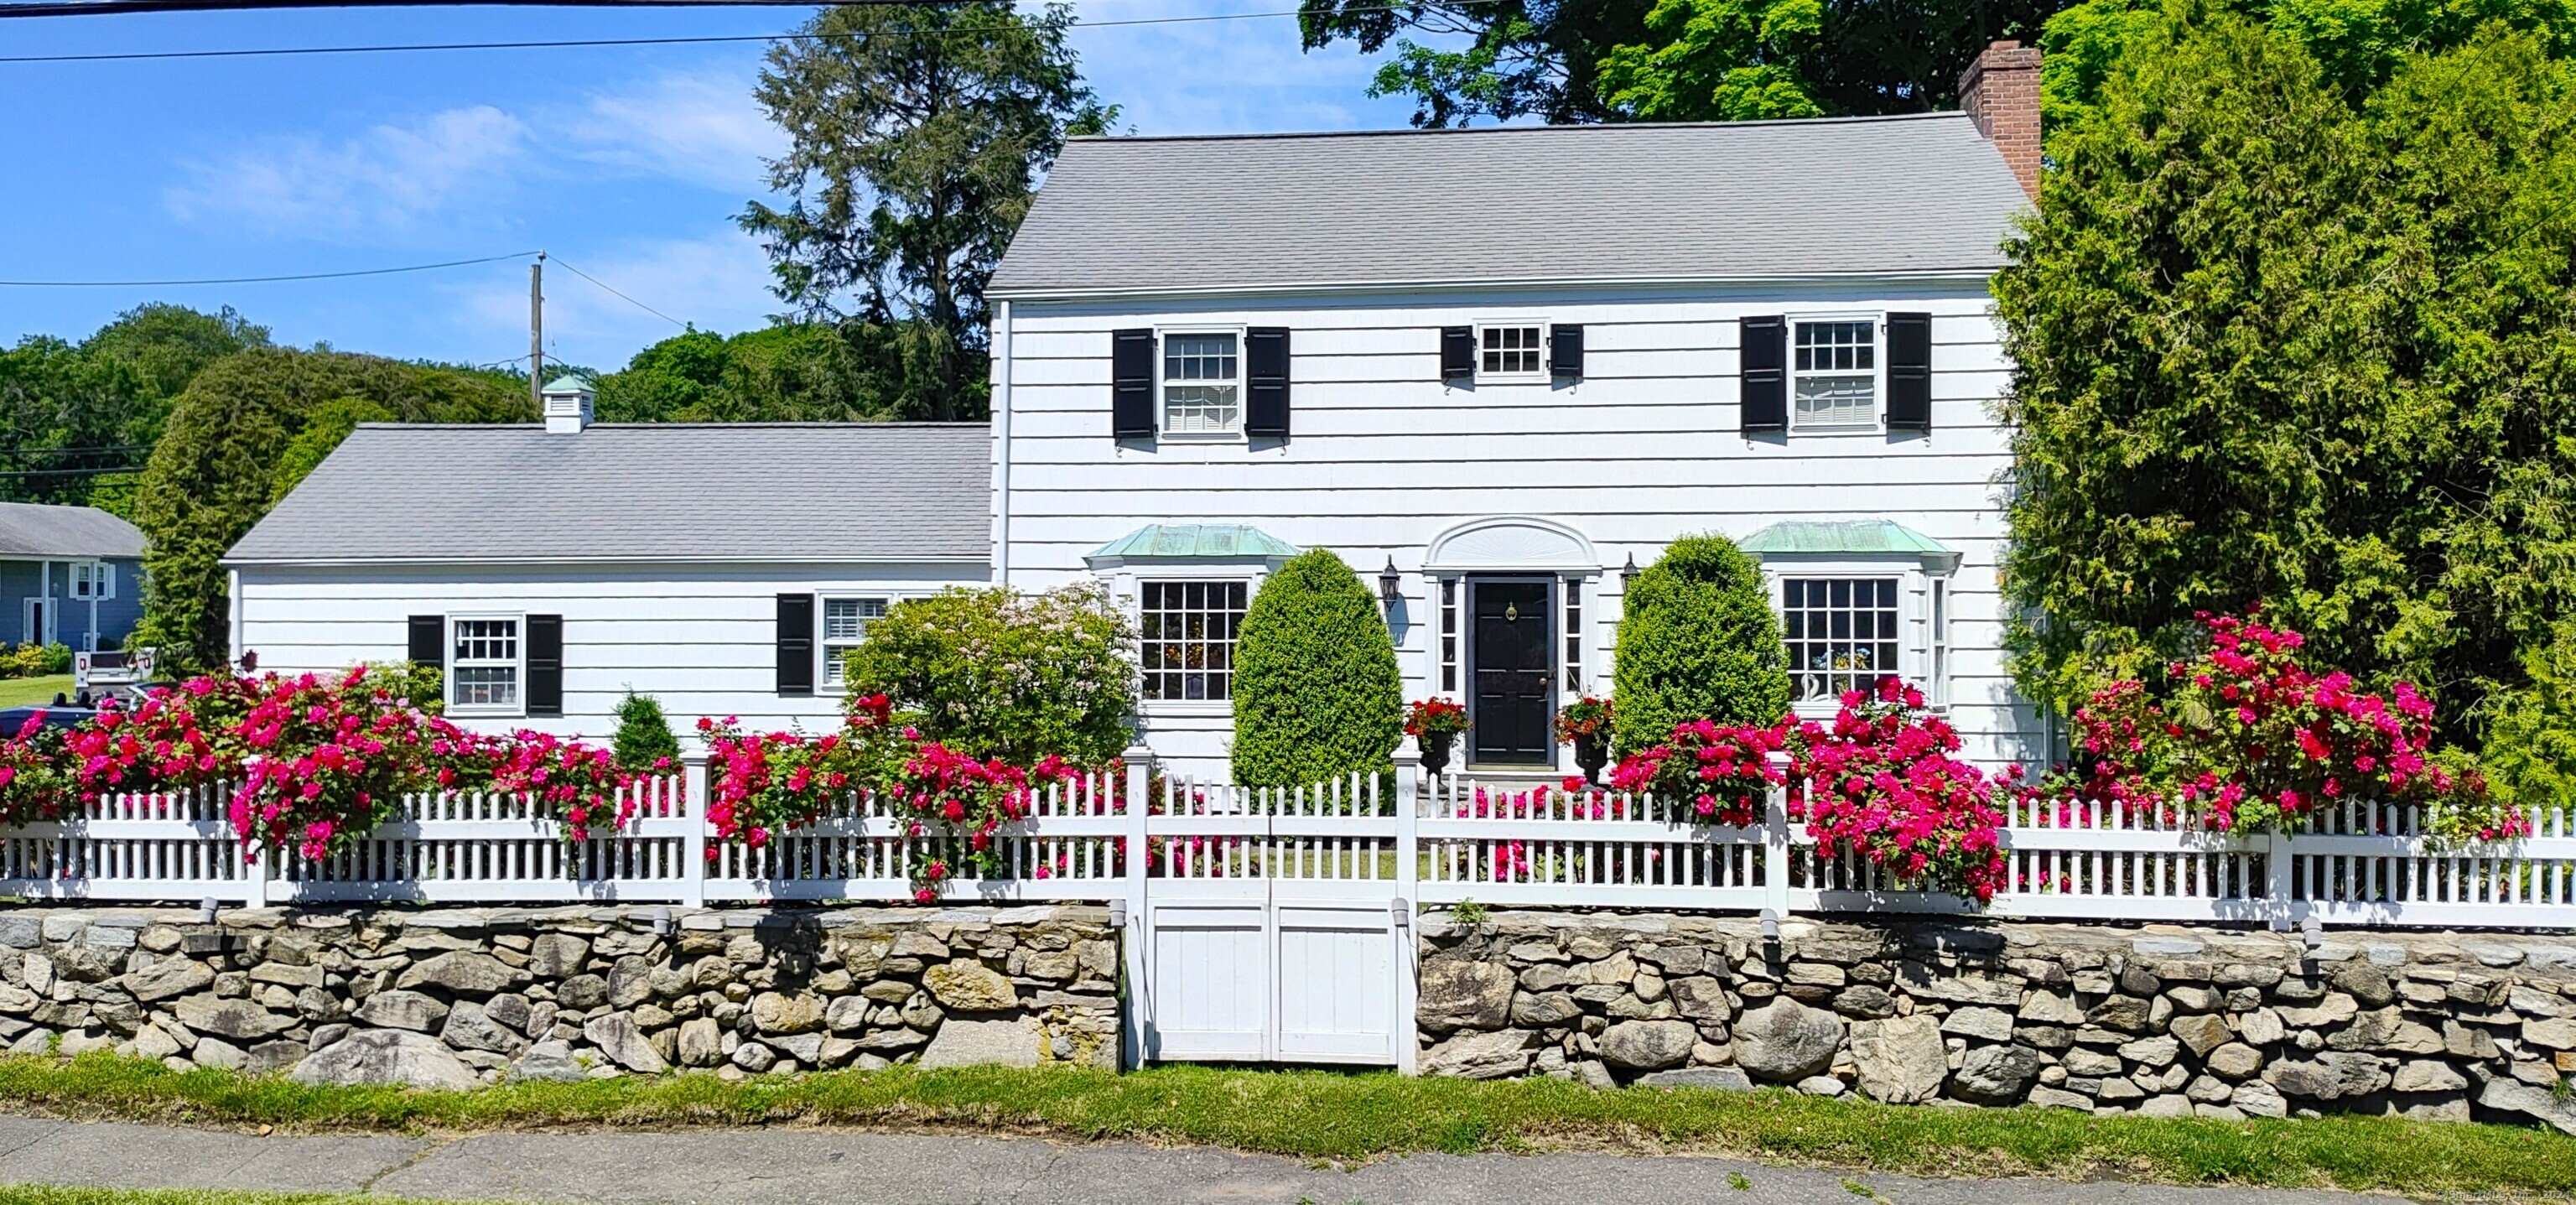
(1500, 378)
(92, 581)
(823, 645)
(1913, 615)
(1877, 320)
(519, 643)
(1242, 386)
(1128, 586)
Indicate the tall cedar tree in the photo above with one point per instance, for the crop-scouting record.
(2275, 346)
(215, 472)
(918, 134)
(1316, 693)
(1697, 641)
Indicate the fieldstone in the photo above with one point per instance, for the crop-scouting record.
(152, 1043)
(1481, 1054)
(623, 1044)
(2208, 1090)
(2083, 1060)
(216, 1052)
(239, 1020)
(1460, 994)
(1698, 997)
(2364, 983)
(460, 972)
(2335, 1009)
(2261, 1027)
(2166, 1106)
(630, 982)
(2556, 1033)
(1864, 1001)
(1995, 1075)
(2427, 1075)
(398, 1009)
(1821, 1085)
(550, 1061)
(2329, 1076)
(1017, 1042)
(805, 1048)
(776, 1013)
(700, 1043)
(1988, 1024)
(167, 978)
(2050, 1008)
(470, 1027)
(2150, 1052)
(2203, 1032)
(972, 987)
(383, 1056)
(2193, 998)
(1650, 1045)
(582, 992)
(557, 955)
(2539, 1104)
(846, 1014)
(1786, 1041)
(2258, 1099)
(2235, 1061)
(1544, 1008)
(510, 1009)
(754, 1057)
(1900, 1060)
(2127, 1014)
(2058, 1098)
(1723, 1079)
(2119, 1090)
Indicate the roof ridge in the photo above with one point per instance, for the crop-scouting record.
(1568, 128)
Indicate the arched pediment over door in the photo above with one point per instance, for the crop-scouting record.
(1511, 544)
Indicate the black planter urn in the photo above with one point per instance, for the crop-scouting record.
(1591, 754)
(1435, 750)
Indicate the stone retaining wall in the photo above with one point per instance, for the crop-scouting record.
(2162, 1020)
(457, 997)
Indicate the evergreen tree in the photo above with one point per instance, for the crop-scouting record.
(1697, 641)
(1316, 692)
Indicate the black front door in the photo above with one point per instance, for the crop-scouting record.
(1514, 675)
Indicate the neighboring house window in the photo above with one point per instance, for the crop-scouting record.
(93, 580)
(484, 666)
(1835, 371)
(1202, 384)
(1188, 646)
(845, 627)
(1510, 351)
(1842, 634)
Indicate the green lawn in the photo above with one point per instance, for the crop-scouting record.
(19, 692)
(1330, 1115)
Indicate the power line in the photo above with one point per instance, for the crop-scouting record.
(252, 280)
(559, 262)
(134, 468)
(576, 43)
(78, 8)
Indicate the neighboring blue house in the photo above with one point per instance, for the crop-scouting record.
(68, 575)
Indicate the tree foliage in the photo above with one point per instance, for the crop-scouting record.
(2277, 343)
(1316, 692)
(71, 414)
(215, 471)
(917, 136)
(1697, 641)
(997, 673)
(792, 372)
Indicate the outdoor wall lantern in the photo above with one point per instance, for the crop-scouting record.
(1388, 583)
(1628, 573)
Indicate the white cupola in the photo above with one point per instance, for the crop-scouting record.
(567, 401)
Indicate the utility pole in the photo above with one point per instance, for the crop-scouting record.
(537, 333)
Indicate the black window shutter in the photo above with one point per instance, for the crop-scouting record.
(795, 644)
(545, 665)
(429, 640)
(1131, 390)
(1457, 353)
(1766, 377)
(1265, 370)
(1909, 372)
(1565, 350)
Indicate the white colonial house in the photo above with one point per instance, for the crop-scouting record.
(1495, 369)
(551, 568)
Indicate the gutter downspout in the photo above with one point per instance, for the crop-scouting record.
(1002, 443)
(233, 639)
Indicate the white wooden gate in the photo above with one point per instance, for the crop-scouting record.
(1274, 922)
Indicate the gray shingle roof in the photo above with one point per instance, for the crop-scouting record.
(28, 529)
(640, 491)
(1539, 205)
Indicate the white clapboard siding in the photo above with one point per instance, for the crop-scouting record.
(701, 639)
(1384, 456)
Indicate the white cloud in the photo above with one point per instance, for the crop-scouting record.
(1224, 77)
(719, 281)
(700, 127)
(389, 179)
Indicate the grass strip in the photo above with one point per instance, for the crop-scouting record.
(1347, 1116)
(58, 1194)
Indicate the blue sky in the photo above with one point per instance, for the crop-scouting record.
(628, 163)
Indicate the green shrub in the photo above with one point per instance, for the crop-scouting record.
(1316, 694)
(998, 673)
(56, 659)
(644, 734)
(1697, 641)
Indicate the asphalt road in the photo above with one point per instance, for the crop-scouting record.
(799, 1166)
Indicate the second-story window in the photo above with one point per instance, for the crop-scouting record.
(1511, 351)
(1835, 368)
(1202, 385)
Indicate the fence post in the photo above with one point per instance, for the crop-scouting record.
(1139, 790)
(1775, 845)
(2279, 880)
(694, 795)
(1405, 908)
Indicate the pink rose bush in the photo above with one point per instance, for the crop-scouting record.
(1723, 770)
(1884, 782)
(34, 783)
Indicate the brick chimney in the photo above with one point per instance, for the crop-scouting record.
(2000, 91)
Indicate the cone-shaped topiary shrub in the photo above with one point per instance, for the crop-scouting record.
(1316, 694)
(644, 734)
(1697, 641)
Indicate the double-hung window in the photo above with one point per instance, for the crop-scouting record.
(1187, 650)
(484, 665)
(93, 580)
(845, 627)
(1508, 351)
(1843, 634)
(1834, 373)
(1203, 384)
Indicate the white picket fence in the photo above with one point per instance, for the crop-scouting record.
(1434, 844)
